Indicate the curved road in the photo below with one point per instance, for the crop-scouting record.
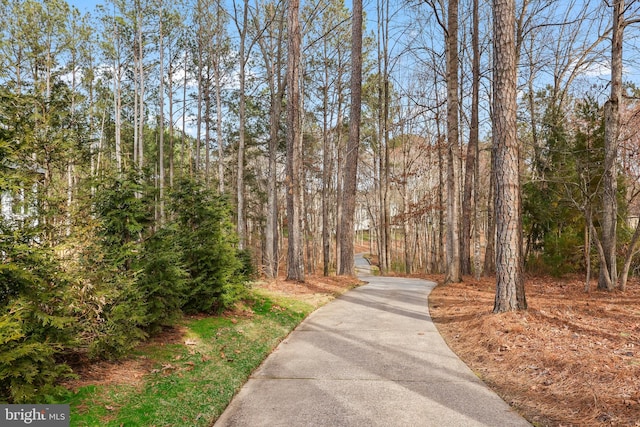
(372, 357)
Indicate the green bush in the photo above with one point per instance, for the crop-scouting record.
(248, 268)
(112, 265)
(563, 254)
(206, 238)
(163, 281)
(34, 327)
(121, 323)
(29, 371)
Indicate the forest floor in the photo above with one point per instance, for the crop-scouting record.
(571, 359)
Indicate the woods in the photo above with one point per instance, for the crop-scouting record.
(156, 156)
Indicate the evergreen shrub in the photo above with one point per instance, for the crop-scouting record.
(34, 327)
(207, 241)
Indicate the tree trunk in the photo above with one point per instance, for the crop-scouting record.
(453, 236)
(326, 173)
(587, 251)
(199, 117)
(295, 258)
(171, 127)
(161, 119)
(271, 232)
(117, 98)
(141, 78)
(490, 253)
(508, 205)
(272, 56)
(472, 148)
(183, 137)
(347, 266)
(611, 134)
(219, 136)
(241, 228)
(207, 125)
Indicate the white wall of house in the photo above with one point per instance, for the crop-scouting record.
(6, 201)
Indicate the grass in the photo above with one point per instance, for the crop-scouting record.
(191, 383)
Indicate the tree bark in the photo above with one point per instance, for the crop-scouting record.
(453, 234)
(295, 258)
(161, 118)
(326, 166)
(218, 73)
(117, 96)
(141, 77)
(241, 226)
(276, 89)
(347, 266)
(472, 148)
(611, 134)
(508, 205)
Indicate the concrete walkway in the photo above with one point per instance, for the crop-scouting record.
(370, 358)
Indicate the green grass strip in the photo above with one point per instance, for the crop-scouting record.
(191, 384)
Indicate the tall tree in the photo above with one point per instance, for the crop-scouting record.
(242, 26)
(295, 258)
(453, 234)
(161, 173)
(272, 49)
(608, 268)
(219, 59)
(347, 266)
(508, 205)
(471, 167)
(384, 165)
(140, 9)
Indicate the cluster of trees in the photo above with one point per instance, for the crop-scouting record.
(552, 187)
(151, 152)
(575, 142)
(100, 244)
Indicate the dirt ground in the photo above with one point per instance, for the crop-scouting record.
(571, 359)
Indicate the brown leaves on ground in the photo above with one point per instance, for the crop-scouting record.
(129, 371)
(331, 285)
(316, 290)
(572, 359)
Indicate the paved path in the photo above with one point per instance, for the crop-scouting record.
(370, 358)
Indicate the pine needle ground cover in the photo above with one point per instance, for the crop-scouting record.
(188, 375)
(572, 359)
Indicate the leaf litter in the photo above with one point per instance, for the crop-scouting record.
(571, 359)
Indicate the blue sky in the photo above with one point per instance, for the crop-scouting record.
(84, 5)
(632, 56)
